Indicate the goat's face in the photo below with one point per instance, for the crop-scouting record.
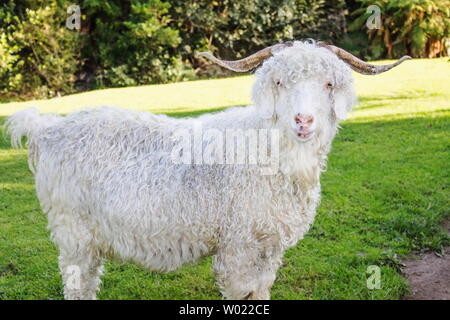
(306, 90)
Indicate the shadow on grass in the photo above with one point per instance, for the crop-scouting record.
(5, 142)
(377, 101)
(196, 113)
(411, 96)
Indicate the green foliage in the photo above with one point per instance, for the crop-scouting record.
(419, 28)
(238, 28)
(134, 42)
(121, 43)
(131, 42)
(38, 54)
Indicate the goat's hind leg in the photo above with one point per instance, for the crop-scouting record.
(80, 262)
(81, 275)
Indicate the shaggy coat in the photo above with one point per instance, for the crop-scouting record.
(106, 179)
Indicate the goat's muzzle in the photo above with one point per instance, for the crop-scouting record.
(304, 126)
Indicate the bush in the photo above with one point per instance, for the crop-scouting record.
(418, 28)
(121, 43)
(38, 54)
(131, 42)
(235, 29)
(134, 42)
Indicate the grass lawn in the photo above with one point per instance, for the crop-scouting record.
(384, 193)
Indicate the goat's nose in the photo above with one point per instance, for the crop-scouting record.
(303, 119)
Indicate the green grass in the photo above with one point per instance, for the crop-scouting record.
(384, 193)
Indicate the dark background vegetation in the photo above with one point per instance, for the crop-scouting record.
(133, 42)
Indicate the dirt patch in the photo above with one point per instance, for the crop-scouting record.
(429, 274)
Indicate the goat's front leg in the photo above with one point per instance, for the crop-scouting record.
(245, 272)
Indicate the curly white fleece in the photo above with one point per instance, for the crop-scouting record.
(106, 180)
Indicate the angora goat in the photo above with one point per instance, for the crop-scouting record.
(107, 179)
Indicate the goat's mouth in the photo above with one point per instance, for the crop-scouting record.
(302, 135)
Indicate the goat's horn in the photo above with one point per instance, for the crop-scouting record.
(249, 63)
(357, 64)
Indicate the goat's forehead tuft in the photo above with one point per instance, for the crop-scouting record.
(305, 61)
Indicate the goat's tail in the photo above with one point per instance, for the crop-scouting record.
(27, 123)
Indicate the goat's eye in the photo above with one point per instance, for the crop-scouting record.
(329, 85)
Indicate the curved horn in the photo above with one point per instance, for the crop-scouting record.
(357, 64)
(249, 63)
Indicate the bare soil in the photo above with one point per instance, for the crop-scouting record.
(429, 274)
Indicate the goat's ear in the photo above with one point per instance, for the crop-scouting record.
(264, 96)
(343, 103)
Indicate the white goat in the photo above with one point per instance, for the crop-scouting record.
(108, 183)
